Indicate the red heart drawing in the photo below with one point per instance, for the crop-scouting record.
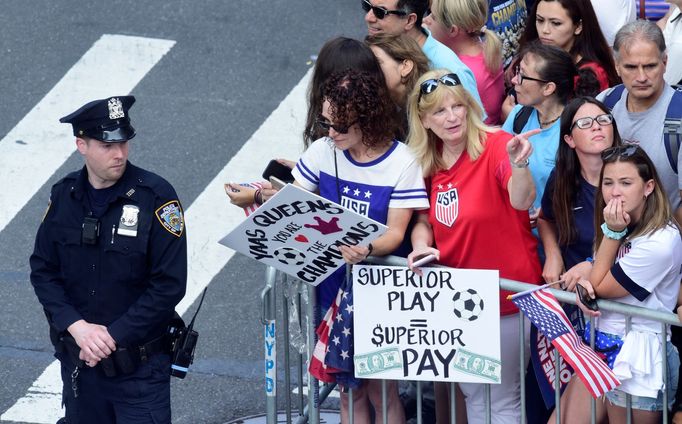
(301, 238)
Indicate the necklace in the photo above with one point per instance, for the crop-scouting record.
(551, 121)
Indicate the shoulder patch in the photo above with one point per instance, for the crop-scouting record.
(171, 218)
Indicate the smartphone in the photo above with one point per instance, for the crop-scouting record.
(281, 172)
(585, 298)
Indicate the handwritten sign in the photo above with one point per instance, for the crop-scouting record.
(442, 326)
(299, 233)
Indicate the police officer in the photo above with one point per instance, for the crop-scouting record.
(109, 267)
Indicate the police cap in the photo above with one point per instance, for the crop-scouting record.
(105, 120)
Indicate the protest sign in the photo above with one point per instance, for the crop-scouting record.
(442, 326)
(298, 233)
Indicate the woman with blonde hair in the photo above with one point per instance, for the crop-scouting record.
(486, 170)
(460, 25)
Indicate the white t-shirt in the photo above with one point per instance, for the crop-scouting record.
(613, 14)
(649, 268)
(673, 43)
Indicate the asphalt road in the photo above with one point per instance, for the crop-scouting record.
(230, 67)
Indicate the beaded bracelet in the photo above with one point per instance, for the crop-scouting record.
(521, 165)
(615, 235)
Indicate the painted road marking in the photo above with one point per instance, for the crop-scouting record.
(209, 218)
(38, 145)
(46, 144)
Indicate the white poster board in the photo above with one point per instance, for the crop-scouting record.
(442, 326)
(299, 232)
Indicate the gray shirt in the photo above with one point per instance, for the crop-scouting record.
(646, 129)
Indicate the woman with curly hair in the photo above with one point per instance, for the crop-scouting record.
(361, 167)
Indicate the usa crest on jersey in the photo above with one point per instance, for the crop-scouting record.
(447, 207)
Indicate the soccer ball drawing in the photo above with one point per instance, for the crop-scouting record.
(289, 256)
(468, 305)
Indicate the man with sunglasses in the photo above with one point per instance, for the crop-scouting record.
(397, 17)
(642, 104)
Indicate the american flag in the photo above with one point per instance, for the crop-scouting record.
(248, 210)
(317, 367)
(543, 310)
(338, 358)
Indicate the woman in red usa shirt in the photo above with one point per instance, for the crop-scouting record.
(480, 190)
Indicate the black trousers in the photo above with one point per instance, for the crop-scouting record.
(142, 397)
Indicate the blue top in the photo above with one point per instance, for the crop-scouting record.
(583, 216)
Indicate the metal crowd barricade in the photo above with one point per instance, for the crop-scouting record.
(301, 411)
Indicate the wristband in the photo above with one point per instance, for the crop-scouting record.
(590, 259)
(370, 248)
(521, 165)
(257, 197)
(614, 235)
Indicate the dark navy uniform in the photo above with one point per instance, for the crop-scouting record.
(116, 257)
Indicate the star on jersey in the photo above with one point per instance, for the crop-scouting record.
(356, 192)
(368, 194)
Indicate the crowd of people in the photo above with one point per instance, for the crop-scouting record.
(577, 128)
(556, 124)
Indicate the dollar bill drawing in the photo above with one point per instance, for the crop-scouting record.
(479, 365)
(376, 362)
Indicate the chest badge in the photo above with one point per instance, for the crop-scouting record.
(127, 225)
(447, 207)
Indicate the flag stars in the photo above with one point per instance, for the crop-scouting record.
(349, 308)
(346, 331)
(344, 354)
(339, 317)
(336, 340)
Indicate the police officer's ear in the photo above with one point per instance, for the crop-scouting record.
(82, 144)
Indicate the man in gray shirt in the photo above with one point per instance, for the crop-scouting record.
(640, 112)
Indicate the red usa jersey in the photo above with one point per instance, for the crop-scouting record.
(473, 222)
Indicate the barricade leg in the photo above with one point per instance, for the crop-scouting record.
(522, 366)
(557, 385)
(268, 319)
(419, 402)
(593, 401)
(313, 384)
(664, 343)
(453, 403)
(287, 348)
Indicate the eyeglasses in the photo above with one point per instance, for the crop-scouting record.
(521, 77)
(586, 122)
(341, 129)
(624, 151)
(428, 86)
(380, 12)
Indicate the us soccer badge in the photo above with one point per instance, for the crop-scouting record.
(170, 216)
(447, 205)
(127, 225)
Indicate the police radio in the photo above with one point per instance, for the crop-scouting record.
(183, 341)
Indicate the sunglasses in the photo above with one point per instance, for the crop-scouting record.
(624, 151)
(428, 86)
(341, 129)
(381, 12)
(521, 77)
(585, 123)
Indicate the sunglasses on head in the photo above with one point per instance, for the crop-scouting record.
(381, 12)
(341, 129)
(624, 151)
(428, 86)
(586, 122)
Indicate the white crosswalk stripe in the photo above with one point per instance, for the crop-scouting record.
(209, 217)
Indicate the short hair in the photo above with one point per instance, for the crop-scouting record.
(423, 142)
(357, 97)
(638, 30)
(555, 65)
(336, 55)
(418, 7)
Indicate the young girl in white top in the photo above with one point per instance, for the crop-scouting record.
(637, 262)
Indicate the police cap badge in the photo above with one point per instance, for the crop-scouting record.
(105, 120)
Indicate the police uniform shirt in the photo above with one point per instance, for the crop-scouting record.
(133, 276)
